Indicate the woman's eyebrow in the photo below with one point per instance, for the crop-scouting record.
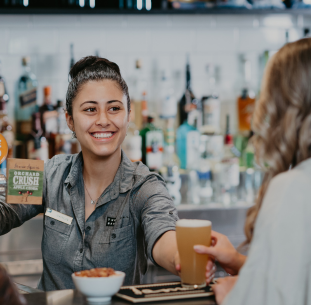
(90, 102)
(113, 101)
(93, 102)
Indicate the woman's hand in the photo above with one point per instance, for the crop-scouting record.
(223, 287)
(223, 251)
(210, 268)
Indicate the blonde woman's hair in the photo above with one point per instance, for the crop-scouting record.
(282, 118)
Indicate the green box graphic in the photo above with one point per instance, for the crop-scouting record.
(23, 181)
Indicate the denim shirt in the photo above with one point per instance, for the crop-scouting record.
(130, 216)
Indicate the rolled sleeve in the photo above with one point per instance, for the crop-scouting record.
(158, 214)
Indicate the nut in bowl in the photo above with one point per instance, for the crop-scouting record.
(98, 285)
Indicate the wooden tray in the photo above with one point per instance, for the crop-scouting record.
(161, 292)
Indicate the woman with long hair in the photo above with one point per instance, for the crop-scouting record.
(277, 270)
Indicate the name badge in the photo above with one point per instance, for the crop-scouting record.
(58, 216)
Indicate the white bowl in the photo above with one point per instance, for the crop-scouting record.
(99, 289)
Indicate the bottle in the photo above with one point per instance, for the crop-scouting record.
(26, 101)
(186, 103)
(6, 127)
(62, 126)
(132, 144)
(72, 60)
(170, 168)
(228, 169)
(49, 116)
(204, 172)
(168, 103)
(62, 142)
(152, 145)
(188, 141)
(246, 102)
(144, 109)
(37, 145)
(211, 114)
(250, 174)
(3, 90)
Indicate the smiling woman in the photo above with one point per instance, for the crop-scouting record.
(101, 209)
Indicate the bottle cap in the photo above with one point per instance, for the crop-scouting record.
(47, 90)
(25, 61)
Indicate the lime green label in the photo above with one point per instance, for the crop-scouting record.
(21, 181)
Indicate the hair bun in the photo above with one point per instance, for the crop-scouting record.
(92, 62)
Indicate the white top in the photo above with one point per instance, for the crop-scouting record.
(277, 270)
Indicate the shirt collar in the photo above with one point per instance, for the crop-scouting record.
(122, 182)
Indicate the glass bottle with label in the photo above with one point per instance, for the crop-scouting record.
(246, 102)
(37, 145)
(188, 141)
(168, 103)
(211, 104)
(26, 101)
(187, 102)
(3, 90)
(62, 142)
(49, 114)
(227, 171)
(170, 168)
(132, 143)
(152, 145)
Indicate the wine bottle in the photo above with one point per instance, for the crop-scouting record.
(25, 101)
(186, 103)
(37, 145)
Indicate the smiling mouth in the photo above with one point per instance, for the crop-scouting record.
(102, 135)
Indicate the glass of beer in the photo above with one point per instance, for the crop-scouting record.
(191, 232)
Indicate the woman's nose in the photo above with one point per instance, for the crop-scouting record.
(102, 119)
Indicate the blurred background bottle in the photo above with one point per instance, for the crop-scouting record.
(37, 145)
(25, 101)
(3, 90)
(152, 145)
(246, 101)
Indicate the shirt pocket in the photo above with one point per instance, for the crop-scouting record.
(120, 248)
(55, 238)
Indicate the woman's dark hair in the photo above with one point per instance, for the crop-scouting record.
(93, 68)
(8, 290)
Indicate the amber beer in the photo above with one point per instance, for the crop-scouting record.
(192, 232)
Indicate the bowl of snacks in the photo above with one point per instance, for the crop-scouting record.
(98, 285)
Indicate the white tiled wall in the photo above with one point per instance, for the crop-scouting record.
(161, 42)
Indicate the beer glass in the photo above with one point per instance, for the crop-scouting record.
(192, 232)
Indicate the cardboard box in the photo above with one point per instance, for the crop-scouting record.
(24, 181)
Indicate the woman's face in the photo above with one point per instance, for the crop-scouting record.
(100, 117)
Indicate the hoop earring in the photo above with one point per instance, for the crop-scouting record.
(73, 135)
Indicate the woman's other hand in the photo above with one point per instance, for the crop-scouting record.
(223, 287)
(223, 251)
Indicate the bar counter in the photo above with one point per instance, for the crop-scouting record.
(73, 297)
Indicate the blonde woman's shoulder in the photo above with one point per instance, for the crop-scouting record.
(297, 178)
(290, 189)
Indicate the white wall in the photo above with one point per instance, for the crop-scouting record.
(161, 42)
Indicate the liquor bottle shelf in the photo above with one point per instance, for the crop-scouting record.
(211, 11)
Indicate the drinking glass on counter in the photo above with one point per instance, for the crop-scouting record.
(191, 232)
